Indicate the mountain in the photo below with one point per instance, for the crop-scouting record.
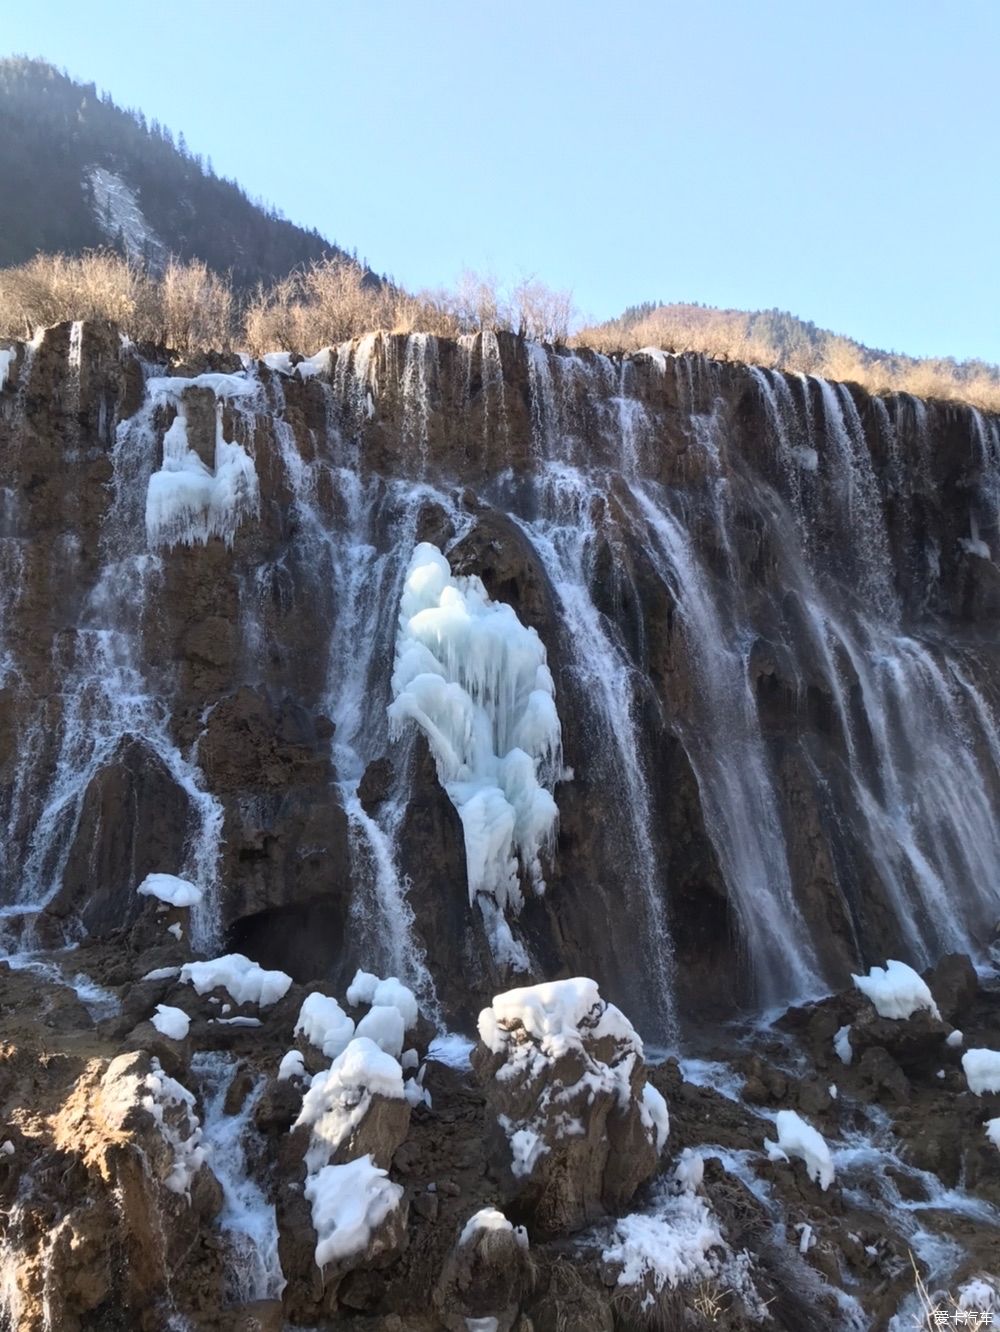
(80, 172)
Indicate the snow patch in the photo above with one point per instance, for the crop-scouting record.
(119, 215)
(992, 1127)
(245, 981)
(982, 1070)
(489, 1218)
(797, 1138)
(349, 1202)
(172, 1107)
(842, 1045)
(168, 888)
(171, 1022)
(896, 991)
(324, 1024)
(292, 1065)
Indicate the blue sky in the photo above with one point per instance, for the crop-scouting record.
(837, 160)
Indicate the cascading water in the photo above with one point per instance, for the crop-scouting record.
(644, 497)
(247, 1219)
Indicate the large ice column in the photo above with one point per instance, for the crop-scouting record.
(187, 502)
(475, 680)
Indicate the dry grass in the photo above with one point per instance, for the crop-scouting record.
(189, 308)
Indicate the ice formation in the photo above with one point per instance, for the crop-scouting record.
(187, 502)
(171, 1022)
(896, 991)
(162, 973)
(689, 1170)
(992, 1127)
(172, 1107)
(324, 1024)
(842, 1044)
(982, 1070)
(245, 981)
(338, 1099)
(170, 890)
(678, 1243)
(475, 680)
(349, 1202)
(797, 1138)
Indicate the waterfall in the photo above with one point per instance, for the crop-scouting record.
(757, 571)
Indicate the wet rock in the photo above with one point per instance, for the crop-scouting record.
(954, 985)
(375, 784)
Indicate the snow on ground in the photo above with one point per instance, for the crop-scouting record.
(982, 1070)
(349, 1202)
(476, 682)
(245, 981)
(171, 890)
(896, 991)
(119, 215)
(797, 1138)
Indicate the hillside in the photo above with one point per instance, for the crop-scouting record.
(80, 172)
(783, 341)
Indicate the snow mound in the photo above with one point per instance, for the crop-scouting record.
(245, 981)
(797, 1138)
(349, 1202)
(339, 1098)
(556, 1015)
(489, 1218)
(362, 988)
(186, 502)
(982, 1070)
(170, 889)
(474, 679)
(383, 1024)
(324, 1024)
(292, 1066)
(171, 1022)
(955, 1039)
(896, 991)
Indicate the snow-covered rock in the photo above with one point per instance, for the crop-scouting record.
(245, 981)
(896, 991)
(356, 1107)
(171, 890)
(799, 1139)
(171, 1022)
(484, 1277)
(356, 1213)
(982, 1070)
(565, 1077)
(324, 1024)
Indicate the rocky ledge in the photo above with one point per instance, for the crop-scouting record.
(200, 1143)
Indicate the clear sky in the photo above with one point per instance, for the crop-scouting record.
(839, 160)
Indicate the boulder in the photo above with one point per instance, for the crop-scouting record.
(485, 1274)
(576, 1126)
